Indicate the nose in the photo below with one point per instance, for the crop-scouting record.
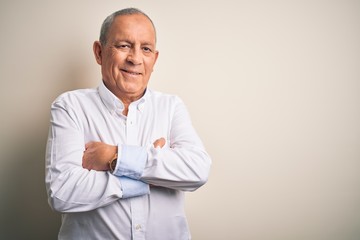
(134, 56)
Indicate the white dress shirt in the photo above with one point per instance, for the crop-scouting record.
(143, 198)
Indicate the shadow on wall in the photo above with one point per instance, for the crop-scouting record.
(24, 209)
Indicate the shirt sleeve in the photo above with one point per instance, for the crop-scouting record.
(183, 164)
(70, 187)
(133, 188)
(131, 161)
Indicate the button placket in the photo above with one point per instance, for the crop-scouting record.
(137, 204)
(138, 218)
(131, 129)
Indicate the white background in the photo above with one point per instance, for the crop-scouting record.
(273, 88)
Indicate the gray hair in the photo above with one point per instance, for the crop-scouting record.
(110, 19)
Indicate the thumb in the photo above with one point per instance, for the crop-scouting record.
(159, 142)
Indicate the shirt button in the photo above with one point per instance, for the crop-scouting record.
(138, 227)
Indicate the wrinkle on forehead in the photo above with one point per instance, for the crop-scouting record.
(131, 27)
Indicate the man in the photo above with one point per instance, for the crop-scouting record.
(119, 157)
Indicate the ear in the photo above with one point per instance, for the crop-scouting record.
(156, 57)
(97, 52)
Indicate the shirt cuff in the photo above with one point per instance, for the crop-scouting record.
(131, 162)
(133, 188)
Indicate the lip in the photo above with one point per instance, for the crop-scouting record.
(130, 72)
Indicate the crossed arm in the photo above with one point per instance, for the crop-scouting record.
(97, 155)
(184, 165)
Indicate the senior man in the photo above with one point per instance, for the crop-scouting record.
(119, 157)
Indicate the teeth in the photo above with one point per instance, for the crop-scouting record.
(133, 73)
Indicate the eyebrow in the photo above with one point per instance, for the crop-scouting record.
(121, 41)
(148, 44)
(131, 42)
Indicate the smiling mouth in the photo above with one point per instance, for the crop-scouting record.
(130, 72)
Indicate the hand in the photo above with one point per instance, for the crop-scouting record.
(97, 156)
(159, 142)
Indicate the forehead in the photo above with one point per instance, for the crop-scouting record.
(135, 27)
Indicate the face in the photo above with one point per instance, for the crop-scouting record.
(128, 57)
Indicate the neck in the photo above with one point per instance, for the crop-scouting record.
(125, 98)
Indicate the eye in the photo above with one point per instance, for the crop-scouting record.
(147, 49)
(122, 46)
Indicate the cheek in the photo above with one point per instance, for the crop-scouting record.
(113, 59)
(150, 67)
(112, 65)
(110, 71)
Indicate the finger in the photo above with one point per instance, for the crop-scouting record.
(162, 142)
(84, 165)
(91, 143)
(159, 143)
(87, 145)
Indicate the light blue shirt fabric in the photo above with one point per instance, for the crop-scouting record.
(130, 171)
(144, 198)
(133, 188)
(125, 164)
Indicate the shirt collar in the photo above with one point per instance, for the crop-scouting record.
(114, 104)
